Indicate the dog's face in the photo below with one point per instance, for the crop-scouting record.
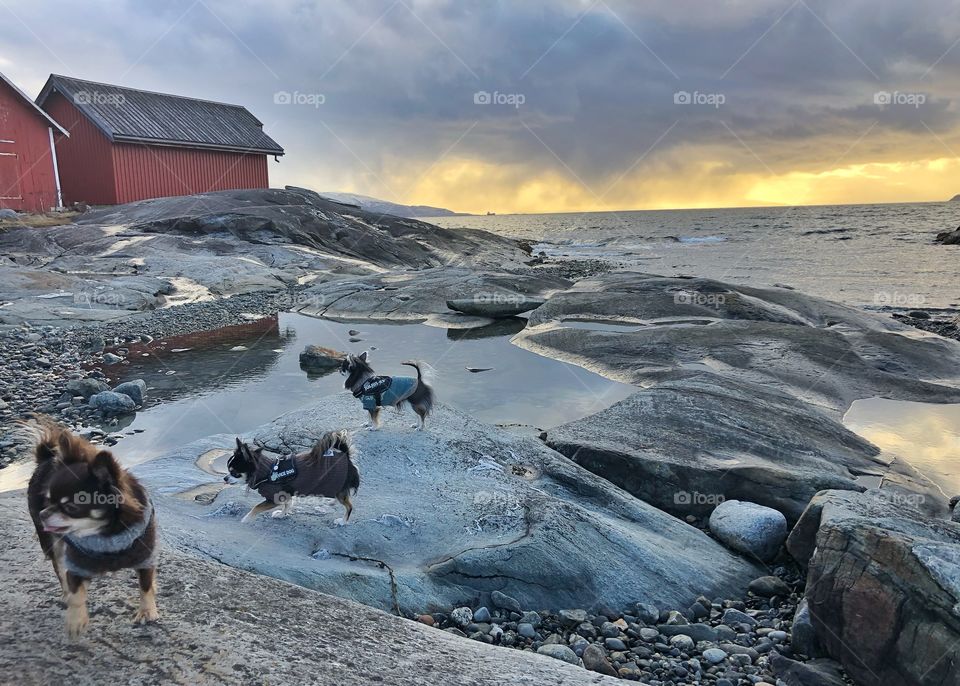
(242, 462)
(354, 367)
(83, 498)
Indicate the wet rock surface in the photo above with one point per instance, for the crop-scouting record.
(477, 511)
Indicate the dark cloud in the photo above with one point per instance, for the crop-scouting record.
(598, 80)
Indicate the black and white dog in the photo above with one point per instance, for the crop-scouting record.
(376, 392)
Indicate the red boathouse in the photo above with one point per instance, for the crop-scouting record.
(28, 162)
(127, 144)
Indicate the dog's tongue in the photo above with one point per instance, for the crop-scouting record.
(54, 529)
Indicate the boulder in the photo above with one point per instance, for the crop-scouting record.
(769, 586)
(111, 404)
(820, 672)
(495, 305)
(749, 528)
(559, 652)
(6, 213)
(883, 586)
(86, 387)
(318, 358)
(136, 389)
(687, 445)
(484, 513)
(948, 237)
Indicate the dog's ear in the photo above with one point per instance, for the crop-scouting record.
(105, 469)
(363, 356)
(239, 444)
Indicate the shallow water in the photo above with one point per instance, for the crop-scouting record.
(866, 255)
(234, 379)
(925, 435)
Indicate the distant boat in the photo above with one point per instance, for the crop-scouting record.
(491, 214)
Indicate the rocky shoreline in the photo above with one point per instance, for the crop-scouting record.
(740, 392)
(759, 639)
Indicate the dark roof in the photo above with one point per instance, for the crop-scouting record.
(30, 102)
(127, 115)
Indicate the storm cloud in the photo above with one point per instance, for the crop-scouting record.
(547, 104)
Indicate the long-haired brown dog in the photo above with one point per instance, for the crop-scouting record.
(92, 517)
(325, 471)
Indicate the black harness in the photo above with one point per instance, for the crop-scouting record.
(284, 469)
(373, 389)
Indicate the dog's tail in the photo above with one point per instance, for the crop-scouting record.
(353, 478)
(340, 441)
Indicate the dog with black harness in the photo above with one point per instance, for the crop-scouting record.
(325, 471)
(376, 392)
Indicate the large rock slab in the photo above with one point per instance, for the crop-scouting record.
(883, 586)
(425, 293)
(123, 259)
(687, 445)
(444, 517)
(820, 352)
(220, 625)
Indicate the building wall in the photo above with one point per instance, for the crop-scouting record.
(151, 171)
(27, 181)
(85, 158)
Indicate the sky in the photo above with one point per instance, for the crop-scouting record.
(547, 105)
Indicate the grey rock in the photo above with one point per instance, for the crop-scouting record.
(315, 357)
(136, 389)
(505, 602)
(883, 583)
(732, 617)
(531, 618)
(769, 586)
(948, 237)
(86, 387)
(803, 637)
(596, 660)
(676, 618)
(197, 592)
(526, 630)
(749, 528)
(647, 613)
(495, 304)
(820, 672)
(481, 614)
(462, 616)
(698, 632)
(682, 642)
(6, 213)
(110, 358)
(614, 644)
(648, 634)
(714, 655)
(572, 617)
(559, 652)
(111, 404)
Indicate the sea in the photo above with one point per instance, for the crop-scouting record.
(878, 257)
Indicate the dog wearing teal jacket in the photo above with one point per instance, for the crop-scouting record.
(376, 392)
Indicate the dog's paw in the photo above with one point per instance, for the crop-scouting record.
(245, 519)
(279, 514)
(77, 621)
(145, 615)
(340, 521)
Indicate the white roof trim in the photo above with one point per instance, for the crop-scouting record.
(34, 105)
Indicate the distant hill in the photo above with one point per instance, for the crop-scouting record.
(374, 205)
(955, 198)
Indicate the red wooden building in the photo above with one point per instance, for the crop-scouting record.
(128, 144)
(28, 162)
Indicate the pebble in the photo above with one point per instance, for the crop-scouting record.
(462, 616)
(714, 655)
(482, 614)
(559, 652)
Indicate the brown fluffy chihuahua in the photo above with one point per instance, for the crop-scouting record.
(92, 517)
